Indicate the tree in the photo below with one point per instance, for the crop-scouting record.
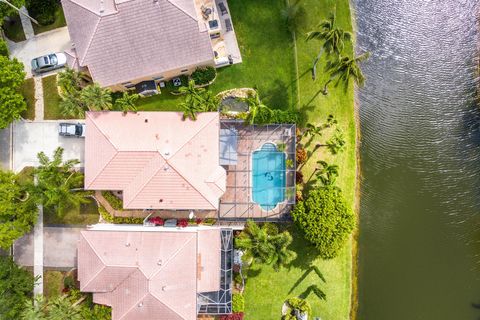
(313, 130)
(325, 219)
(337, 142)
(18, 212)
(72, 104)
(6, 10)
(42, 10)
(12, 103)
(294, 15)
(56, 180)
(326, 173)
(256, 108)
(16, 286)
(193, 102)
(4, 49)
(346, 68)
(127, 102)
(56, 308)
(210, 101)
(70, 81)
(333, 38)
(265, 244)
(96, 98)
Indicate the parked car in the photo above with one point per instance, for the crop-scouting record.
(72, 129)
(49, 62)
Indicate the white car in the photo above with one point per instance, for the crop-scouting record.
(72, 129)
(49, 62)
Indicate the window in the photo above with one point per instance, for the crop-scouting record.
(128, 85)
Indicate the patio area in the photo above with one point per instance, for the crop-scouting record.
(243, 141)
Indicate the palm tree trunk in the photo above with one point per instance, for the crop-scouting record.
(314, 67)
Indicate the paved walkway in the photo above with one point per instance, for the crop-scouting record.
(26, 24)
(39, 103)
(6, 148)
(38, 252)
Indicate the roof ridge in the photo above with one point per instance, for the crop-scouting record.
(98, 256)
(186, 13)
(133, 305)
(110, 142)
(90, 42)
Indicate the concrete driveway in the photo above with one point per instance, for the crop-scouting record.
(59, 247)
(29, 138)
(57, 40)
(5, 148)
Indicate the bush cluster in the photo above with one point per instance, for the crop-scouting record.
(204, 75)
(4, 49)
(113, 200)
(233, 316)
(268, 116)
(238, 303)
(325, 219)
(296, 304)
(118, 220)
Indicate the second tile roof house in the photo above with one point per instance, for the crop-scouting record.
(124, 42)
(157, 160)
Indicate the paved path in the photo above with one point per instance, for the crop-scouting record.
(38, 252)
(26, 24)
(39, 103)
(59, 247)
(5, 148)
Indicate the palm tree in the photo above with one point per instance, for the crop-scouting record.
(61, 307)
(294, 15)
(34, 310)
(56, 181)
(255, 107)
(333, 37)
(337, 142)
(265, 244)
(210, 101)
(326, 173)
(127, 102)
(193, 102)
(72, 104)
(69, 80)
(96, 98)
(347, 68)
(313, 130)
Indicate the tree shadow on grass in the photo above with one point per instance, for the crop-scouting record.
(306, 252)
(276, 96)
(304, 276)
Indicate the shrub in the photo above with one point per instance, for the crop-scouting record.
(268, 116)
(298, 196)
(238, 302)
(209, 221)
(69, 282)
(298, 177)
(118, 220)
(296, 304)
(157, 221)
(113, 200)
(4, 49)
(182, 223)
(301, 155)
(204, 75)
(198, 220)
(325, 219)
(233, 316)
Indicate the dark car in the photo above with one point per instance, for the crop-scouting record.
(49, 62)
(72, 129)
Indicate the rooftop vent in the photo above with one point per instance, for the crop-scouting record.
(159, 262)
(127, 244)
(146, 120)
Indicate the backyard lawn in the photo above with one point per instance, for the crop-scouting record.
(58, 23)
(13, 29)
(266, 290)
(84, 215)
(267, 52)
(28, 92)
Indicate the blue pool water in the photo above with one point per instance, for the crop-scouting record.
(268, 175)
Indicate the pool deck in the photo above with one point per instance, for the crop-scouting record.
(237, 203)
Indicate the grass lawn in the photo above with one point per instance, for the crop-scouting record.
(58, 23)
(13, 29)
(28, 92)
(84, 215)
(52, 283)
(267, 52)
(51, 99)
(266, 290)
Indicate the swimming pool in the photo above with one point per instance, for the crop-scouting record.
(268, 176)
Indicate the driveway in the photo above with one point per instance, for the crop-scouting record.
(29, 138)
(57, 40)
(59, 248)
(5, 148)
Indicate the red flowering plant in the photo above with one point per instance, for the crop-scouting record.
(157, 221)
(182, 223)
(199, 220)
(233, 316)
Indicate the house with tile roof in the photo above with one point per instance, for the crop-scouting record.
(126, 42)
(156, 159)
(157, 273)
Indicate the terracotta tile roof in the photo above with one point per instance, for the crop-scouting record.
(158, 160)
(149, 275)
(136, 38)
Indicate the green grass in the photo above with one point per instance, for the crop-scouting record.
(267, 52)
(58, 23)
(28, 92)
(51, 99)
(13, 29)
(84, 215)
(52, 283)
(266, 289)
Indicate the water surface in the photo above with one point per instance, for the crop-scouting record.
(420, 158)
